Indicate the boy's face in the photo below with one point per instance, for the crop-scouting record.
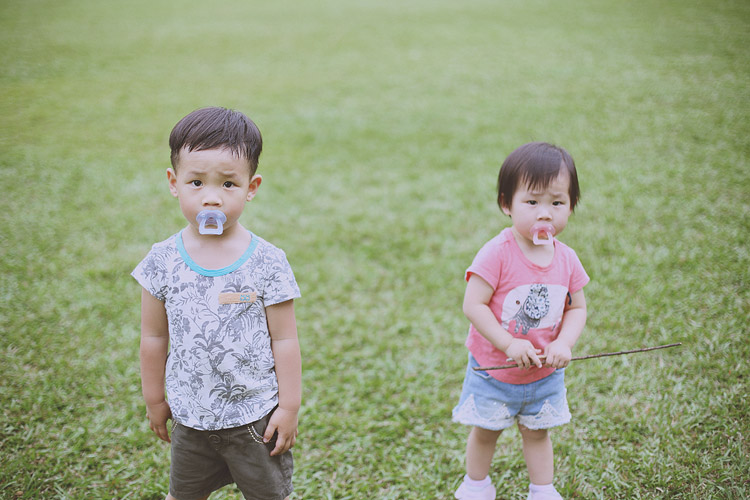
(551, 205)
(213, 179)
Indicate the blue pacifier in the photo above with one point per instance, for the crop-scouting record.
(208, 218)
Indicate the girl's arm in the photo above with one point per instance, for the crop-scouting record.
(282, 326)
(560, 351)
(477, 309)
(153, 353)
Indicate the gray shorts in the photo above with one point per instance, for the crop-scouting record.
(204, 461)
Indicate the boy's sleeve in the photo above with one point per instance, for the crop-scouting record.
(280, 283)
(151, 274)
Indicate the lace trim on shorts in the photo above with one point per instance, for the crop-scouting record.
(469, 414)
(546, 418)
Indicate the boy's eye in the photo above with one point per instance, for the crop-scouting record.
(196, 183)
(228, 184)
(558, 203)
(531, 202)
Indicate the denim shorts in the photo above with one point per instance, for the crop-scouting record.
(490, 404)
(204, 461)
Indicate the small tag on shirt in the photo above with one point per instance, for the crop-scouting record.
(238, 298)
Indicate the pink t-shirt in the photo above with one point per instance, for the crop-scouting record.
(528, 301)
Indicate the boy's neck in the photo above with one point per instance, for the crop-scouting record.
(216, 251)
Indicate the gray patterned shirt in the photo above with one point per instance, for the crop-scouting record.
(220, 369)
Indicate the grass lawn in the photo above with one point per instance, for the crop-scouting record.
(385, 123)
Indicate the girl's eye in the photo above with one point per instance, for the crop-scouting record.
(531, 202)
(228, 184)
(196, 183)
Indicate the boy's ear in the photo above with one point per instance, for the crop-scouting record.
(254, 185)
(172, 178)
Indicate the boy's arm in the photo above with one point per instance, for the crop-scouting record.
(560, 350)
(282, 326)
(153, 353)
(477, 309)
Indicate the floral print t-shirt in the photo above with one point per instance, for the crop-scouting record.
(220, 371)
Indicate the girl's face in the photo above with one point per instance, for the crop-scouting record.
(212, 179)
(550, 205)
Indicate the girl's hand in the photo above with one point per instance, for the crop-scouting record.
(558, 354)
(283, 422)
(157, 415)
(524, 353)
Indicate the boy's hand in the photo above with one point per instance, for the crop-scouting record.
(157, 415)
(558, 354)
(283, 422)
(524, 353)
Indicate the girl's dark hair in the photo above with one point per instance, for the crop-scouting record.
(217, 128)
(535, 164)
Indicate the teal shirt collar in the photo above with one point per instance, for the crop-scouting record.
(215, 272)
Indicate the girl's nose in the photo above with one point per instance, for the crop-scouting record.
(543, 214)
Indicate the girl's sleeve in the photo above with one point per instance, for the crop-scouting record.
(487, 264)
(578, 276)
(280, 283)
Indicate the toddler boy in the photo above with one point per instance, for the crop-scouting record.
(218, 331)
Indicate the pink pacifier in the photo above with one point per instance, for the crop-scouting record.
(543, 233)
(207, 218)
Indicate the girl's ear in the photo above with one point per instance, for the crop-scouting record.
(254, 185)
(172, 178)
(505, 207)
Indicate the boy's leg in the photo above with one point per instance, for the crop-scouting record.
(537, 451)
(479, 452)
(255, 472)
(196, 468)
(170, 497)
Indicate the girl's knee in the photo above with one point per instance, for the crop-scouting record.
(533, 434)
(485, 435)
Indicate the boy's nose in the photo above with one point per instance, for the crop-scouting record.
(211, 200)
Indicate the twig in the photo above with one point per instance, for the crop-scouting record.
(590, 356)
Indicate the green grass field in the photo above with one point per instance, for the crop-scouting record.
(384, 123)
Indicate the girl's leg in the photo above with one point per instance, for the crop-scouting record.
(537, 451)
(479, 452)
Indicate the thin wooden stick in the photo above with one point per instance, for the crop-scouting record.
(590, 356)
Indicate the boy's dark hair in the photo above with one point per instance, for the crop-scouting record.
(217, 128)
(536, 164)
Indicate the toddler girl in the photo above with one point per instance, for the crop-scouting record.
(524, 298)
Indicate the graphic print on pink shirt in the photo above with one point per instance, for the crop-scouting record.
(528, 306)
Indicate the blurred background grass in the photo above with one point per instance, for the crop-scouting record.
(384, 126)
